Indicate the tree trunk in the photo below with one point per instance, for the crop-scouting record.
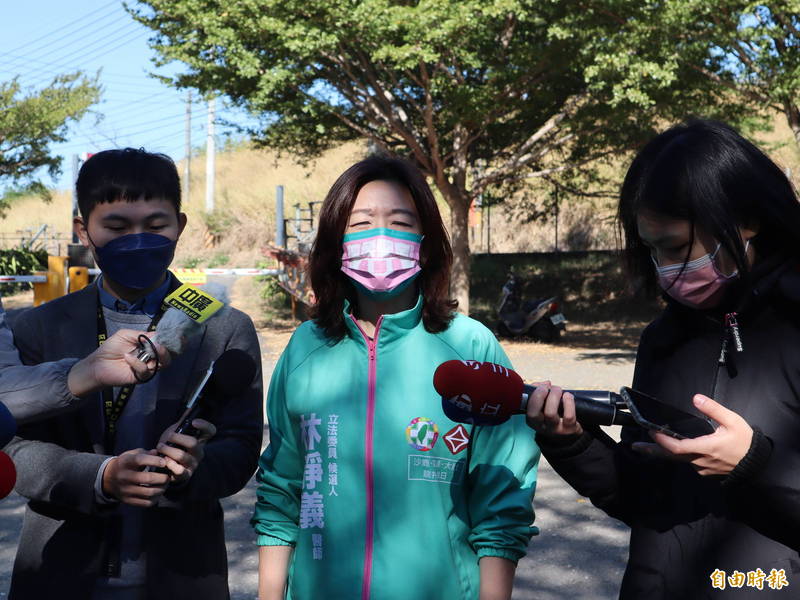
(459, 238)
(792, 112)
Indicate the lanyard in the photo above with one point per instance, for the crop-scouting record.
(113, 407)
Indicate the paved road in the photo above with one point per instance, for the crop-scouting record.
(579, 555)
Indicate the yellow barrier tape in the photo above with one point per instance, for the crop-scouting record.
(193, 276)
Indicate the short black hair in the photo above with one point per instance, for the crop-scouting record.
(127, 174)
(705, 172)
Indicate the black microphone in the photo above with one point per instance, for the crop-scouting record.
(227, 376)
(592, 407)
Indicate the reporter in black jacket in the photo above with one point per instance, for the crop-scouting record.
(715, 224)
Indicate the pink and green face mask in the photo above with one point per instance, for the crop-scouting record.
(381, 262)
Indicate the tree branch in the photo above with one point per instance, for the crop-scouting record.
(523, 156)
(786, 22)
(746, 91)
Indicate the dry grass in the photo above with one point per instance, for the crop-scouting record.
(245, 196)
(245, 193)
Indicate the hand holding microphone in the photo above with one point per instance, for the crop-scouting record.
(188, 309)
(551, 410)
(485, 393)
(115, 363)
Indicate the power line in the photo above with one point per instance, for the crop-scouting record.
(114, 77)
(62, 27)
(106, 50)
(71, 146)
(165, 123)
(129, 95)
(96, 50)
(87, 47)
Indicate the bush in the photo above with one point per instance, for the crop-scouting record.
(273, 295)
(218, 260)
(590, 284)
(219, 222)
(191, 262)
(19, 261)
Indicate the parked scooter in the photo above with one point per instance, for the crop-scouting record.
(540, 319)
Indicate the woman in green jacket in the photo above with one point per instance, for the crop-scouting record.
(367, 490)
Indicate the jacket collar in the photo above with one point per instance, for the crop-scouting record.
(147, 305)
(392, 327)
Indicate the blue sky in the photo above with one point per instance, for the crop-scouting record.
(42, 38)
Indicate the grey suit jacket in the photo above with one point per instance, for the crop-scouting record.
(32, 392)
(64, 538)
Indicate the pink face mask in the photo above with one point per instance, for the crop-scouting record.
(381, 261)
(698, 283)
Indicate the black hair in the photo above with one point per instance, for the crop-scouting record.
(127, 174)
(705, 172)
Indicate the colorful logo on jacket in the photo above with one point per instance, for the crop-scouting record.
(422, 433)
(456, 439)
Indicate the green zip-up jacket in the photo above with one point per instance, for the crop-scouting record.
(381, 495)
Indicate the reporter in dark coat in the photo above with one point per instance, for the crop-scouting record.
(714, 224)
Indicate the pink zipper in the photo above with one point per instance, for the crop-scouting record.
(372, 345)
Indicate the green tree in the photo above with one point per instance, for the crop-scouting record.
(745, 53)
(450, 84)
(32, 120)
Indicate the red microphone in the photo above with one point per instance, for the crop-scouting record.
(8, 475)
(483, 393)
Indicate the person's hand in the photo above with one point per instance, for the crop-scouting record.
(183, 453)
(715, 454)
(124, 478)
(542, 412)
(115, 364)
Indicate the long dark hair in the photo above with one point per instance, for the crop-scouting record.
(705, 172)
(331, 286)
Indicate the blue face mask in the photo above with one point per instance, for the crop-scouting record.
(136, 260)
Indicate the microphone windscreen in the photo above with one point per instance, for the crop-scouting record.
(219, 291)
(8, 425)
(176, 327)
(233, 372)
(174, 330)
(8, 475)
(483, 389)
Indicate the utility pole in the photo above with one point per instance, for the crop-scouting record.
(210, 158)
(187, 167)
(280, 224)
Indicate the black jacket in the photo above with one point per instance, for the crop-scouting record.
(684, 526)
